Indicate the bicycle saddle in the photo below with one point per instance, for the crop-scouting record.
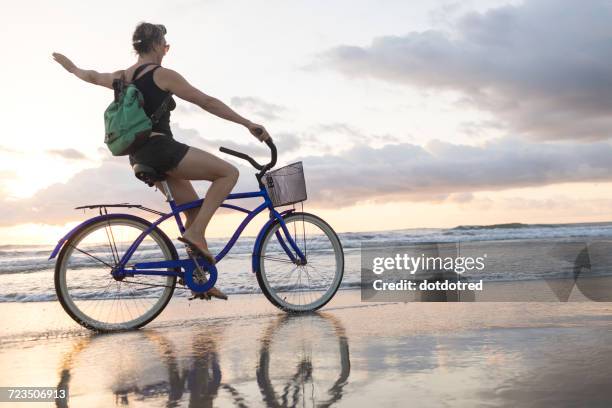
(147, 174)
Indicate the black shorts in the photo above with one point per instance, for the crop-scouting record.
(161, 152)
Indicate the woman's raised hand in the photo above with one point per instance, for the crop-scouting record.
(64, 61)
(258, 131)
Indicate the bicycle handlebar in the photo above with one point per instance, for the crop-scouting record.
(273, 152)
(262, 168)
(241, 156)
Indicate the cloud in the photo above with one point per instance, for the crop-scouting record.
(114, 182)
(254, 106)
(445, 171)
(461, 198)
(70, 154)
(5, 175)
(187, 108)
(356, 136)
(258, 107)
(4, 149)
(285, 142)
(542, 67)
(436, 171)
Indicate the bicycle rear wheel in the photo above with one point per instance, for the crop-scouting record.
(300, 288)
(92, 296)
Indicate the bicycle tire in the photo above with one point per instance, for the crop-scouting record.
(260, 272)
(65, 300)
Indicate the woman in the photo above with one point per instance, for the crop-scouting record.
(178, 161)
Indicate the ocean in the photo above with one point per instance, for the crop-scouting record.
(26, 273)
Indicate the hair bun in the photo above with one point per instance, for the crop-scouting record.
(147, 36)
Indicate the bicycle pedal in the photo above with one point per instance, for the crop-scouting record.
(199, 296)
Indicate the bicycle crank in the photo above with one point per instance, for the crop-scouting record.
(200, 275)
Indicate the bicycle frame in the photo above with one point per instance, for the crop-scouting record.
(155, 268)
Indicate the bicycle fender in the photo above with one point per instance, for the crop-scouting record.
(73, 231)
(259, 239)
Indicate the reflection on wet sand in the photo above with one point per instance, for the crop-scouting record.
(286, 393)
(424, 354)
(302, 361)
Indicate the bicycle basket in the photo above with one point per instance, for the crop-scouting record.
(286, 185)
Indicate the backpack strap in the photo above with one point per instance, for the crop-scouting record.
(120, 83)
(140, 68)
(119, 86)
(163, 108)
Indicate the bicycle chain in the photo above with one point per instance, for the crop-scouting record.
(152, 285)
(199, 274)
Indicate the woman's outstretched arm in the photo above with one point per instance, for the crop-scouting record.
(87, 75)
(174, 82)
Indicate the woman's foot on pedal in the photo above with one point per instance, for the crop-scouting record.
(214, 292)
(200, 248)
(210, 293)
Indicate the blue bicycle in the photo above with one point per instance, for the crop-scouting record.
(117, 271)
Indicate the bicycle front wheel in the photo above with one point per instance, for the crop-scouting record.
(300, 288)
(86, 287)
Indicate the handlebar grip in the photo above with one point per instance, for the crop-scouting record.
(272, 147)
(242, 156)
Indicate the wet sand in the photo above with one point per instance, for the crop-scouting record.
(244, 352)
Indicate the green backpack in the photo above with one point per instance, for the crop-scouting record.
(127, 126)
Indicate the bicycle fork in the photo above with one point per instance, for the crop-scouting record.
(301, 257)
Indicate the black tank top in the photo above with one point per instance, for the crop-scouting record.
(153, 98)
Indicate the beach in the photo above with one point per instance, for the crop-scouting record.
(407, 204)
(244, 352)
(538, 334)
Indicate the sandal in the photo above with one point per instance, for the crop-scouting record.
(209, 258)
(210, 293)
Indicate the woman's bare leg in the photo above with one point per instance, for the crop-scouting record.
(200, 165)
(183, 192)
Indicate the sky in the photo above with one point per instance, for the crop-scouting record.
(405, 114)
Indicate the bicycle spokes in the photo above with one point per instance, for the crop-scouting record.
(308, 281)
(92, 290)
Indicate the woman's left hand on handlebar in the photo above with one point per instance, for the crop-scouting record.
(258, 131)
